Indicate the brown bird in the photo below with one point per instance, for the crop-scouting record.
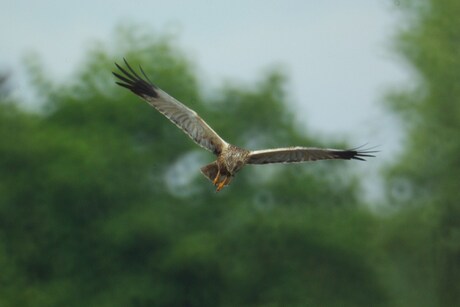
(230, 158)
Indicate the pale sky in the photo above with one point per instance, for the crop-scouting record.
(337, 54)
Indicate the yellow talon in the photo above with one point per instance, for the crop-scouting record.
(223, 183)
(214, 182)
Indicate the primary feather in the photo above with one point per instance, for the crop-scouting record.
(183, 117)
(304, 154)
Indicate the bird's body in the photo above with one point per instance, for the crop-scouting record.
(228, 163)
(230, 158)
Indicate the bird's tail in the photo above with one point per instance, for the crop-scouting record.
(210, 170)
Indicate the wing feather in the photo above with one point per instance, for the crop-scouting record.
(304, 154)
(183, 117)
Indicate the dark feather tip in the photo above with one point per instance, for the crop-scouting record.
(362, 154)
(132, 81)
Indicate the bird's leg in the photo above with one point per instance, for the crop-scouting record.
(214, 182)
(223, 183)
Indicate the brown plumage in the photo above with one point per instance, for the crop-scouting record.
(230, 158)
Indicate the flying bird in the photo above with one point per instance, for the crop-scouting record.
(230, 158)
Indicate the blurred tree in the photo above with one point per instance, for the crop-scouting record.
(426, 180)
(4, 89)
(95, 210)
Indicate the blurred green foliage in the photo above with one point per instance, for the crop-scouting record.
(102, 202)
(425, 183)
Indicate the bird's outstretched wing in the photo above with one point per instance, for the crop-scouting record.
(186, 119)
(304, 154)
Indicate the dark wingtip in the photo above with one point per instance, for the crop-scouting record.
(356, 153)
(361, 154)
(132, 81)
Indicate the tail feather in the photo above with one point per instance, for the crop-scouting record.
(210, 170)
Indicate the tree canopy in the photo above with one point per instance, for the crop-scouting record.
(425, 182)
(102, 202)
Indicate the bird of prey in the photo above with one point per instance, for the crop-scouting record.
(230, 158)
